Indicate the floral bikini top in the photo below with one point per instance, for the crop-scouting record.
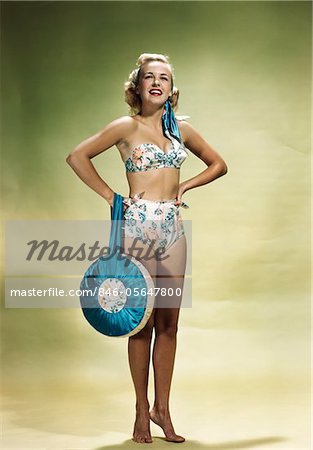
(149, 156)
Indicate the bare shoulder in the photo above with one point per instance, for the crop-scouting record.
(198, 145)
(111, 134)
(121, 127)
(188, 131)
(124, 120)
(185, 129)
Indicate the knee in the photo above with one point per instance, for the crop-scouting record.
(168, 330)
(145, 333)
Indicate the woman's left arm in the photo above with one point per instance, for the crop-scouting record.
(199, 147)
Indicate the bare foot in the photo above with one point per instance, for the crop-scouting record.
(142, 428)
(164, 421)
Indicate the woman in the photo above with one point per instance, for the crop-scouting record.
(152, 144)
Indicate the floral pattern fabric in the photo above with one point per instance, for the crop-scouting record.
(149, 220)
(148, 156)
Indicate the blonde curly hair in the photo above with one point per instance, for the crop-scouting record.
(131, 97)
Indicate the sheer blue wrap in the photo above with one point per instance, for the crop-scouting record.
(169, 123)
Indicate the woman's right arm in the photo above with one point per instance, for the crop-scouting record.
(80, 157)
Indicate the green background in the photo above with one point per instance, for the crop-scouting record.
(244, 74)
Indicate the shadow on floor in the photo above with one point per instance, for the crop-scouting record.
(194, 445)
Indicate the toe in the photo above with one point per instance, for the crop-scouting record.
(175, 438)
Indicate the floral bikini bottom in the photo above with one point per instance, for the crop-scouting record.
(156, 222)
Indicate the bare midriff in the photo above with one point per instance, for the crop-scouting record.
(156, 184)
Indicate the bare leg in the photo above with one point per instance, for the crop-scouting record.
(139, 360)
(166, 325)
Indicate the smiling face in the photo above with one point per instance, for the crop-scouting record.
(155, 82)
